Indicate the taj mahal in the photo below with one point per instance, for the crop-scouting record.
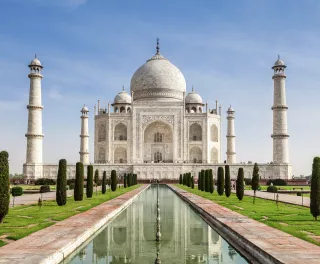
(158, 130)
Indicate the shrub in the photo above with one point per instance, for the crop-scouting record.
(315, 189)
(227, 186)
(44, 188)
(45, 181)
(220, 181)
(96, 177)
(113, 180)
(104, 182)
(71, 181)
(180, 179)
(4, 185)
(61, 190)
(89, 189)
(277, 182)
(78, 186)
(272, 189)
(248, 181)
(211, 181)
(203, 180)
(239, 184)
(255, 180)
(16, 191)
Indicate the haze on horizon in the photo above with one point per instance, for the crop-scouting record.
(225, 49)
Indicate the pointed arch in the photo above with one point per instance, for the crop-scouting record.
(102, 133)
(214, 155)
(195, 132)
(120, 132)
(195, 155)
(102, 155)
(214, 133)
(120, 155)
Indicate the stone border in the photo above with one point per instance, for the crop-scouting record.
(258, 242)
(53, 244)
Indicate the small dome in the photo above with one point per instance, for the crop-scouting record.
(230, 109)
(193, 98)
(279, 62)
(84, 109)
(35, 62)
(122, 98)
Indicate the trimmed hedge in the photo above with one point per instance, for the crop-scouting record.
(272, 189)
(16, 191)
(61, 190)
(277, 182)
(44, 188)
(45, 181)
(78, 186)
(89, 189)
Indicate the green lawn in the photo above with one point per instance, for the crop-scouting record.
(295, 220)
(24, 220)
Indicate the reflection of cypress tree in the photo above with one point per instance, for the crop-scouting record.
(232, 253)
(82, 253)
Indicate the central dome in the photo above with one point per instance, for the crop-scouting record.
(158, 79)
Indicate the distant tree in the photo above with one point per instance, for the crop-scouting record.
(180, 179)
(4, 185)
(89, 187)
(96, 180)
(255, 180)
(203, 180)
(61, 189)
(220, 181)
(211, 181)
(192, 182)
(125, 181)
(227, 181)
(78, 186)
(104, 183)
(199, 180)
(16, 191)
(315, 189)
(239, 184)
(114, 181)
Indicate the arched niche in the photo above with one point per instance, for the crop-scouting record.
(102, 133)
(214, 133)
(195, 155)
(195, 132)
(120, 155)
(214, 155)
(102, 155)
(120, 132)
(158, 142)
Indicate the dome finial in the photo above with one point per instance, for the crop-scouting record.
(35, 55)
(192, 89)
(278, 56)
(122, 87)
(158, 47)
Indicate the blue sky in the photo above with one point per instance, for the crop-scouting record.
(90, 48)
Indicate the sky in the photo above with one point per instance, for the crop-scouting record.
(225, 49)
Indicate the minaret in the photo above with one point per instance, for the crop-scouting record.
(280, 126)
(231, 138)
(84, 141)
(34, 134)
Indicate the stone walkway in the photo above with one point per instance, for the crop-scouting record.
(52, 244)
(267, 244)
(286, 198)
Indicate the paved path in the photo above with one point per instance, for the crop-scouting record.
(33, 198)
(52, 244)
(286, 198)
(267, 244)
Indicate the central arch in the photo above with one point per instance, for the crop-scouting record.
(158, 143)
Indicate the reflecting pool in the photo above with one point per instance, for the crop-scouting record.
(130, 237)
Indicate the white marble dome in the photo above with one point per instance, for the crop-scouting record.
(122, 98)
(193, 98)
(279, 62)
(158, 79)
(35, 62)
(84, 109)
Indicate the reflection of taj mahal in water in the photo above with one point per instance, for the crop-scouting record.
(158, 130)
(185, 237)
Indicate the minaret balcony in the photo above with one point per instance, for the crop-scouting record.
(279, 107)
(280, 136)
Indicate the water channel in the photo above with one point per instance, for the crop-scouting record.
(130, 237)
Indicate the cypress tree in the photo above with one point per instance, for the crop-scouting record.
(78, 186)
(184, 179)
(239, 184)
(96, 180)
(227, 181)
(192, 182)
(315, 189)
(113, 180)
(89, 188)
(207, 183)
(203, 180)
(188, 180)
(255, 180)
(125, 181)
(220, 181)
(199, 180)
(104, 183)
(135, 179)
(4, 185)
(180, 179)
(61, 190)
(211, 181)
